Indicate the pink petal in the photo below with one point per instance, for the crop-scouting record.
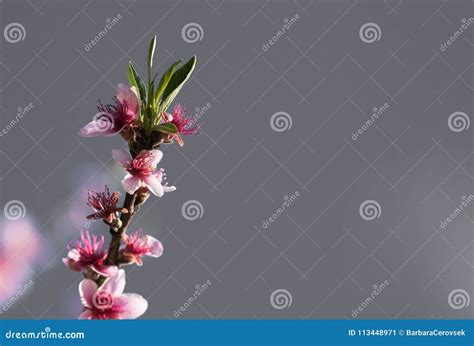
(128, 96)
(123, 158)
(131, 183)
(178, 111)
(74, 255)
(157, 156)
(167, 117)
(122, 92)
(115, 284)
(105, 270)
(155, 246)
(138, 261)
(100, 127)
(131, 305)
(72, 265)
(167, 188)
(87, 288)
(20, 239)
(154, 185)
(87, 315)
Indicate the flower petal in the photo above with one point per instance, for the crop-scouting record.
(74, 255)
(167, 117)
(131, 183)
(131, 305)
(72, 265)
(99, 127)
(105, 270)
(129, 97)
(167, 188)
(155, 246)
(87, 315)
(115, 284)
(154, 185)
(122, 158)
(87, 288)
(122, 92)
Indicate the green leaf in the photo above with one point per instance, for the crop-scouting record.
(167, 128)
(152, 88)
(151, 52)
(139, 83)
(131, 76)
(176, 83)
(165, 79)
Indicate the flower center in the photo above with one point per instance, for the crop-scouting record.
(142, 165)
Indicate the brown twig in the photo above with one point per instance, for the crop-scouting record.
(131, 203)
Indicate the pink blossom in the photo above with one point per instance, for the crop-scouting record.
(104, 204)
(184, 124)
(89, 253)
(141, 171)
(112, 119)
(20, 246)
(108, 301)
(138, 245)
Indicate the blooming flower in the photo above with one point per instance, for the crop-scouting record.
(138, 245)
(184, 124)
(141, 171)
(112, 119)
(89, 253)
(105, 205)
(108, 301)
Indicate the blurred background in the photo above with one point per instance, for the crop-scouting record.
(336, 143)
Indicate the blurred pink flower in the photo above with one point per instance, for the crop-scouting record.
(19, 247)
(89, 253)
(108, 301)
(113, 119)
(138, 245)
(141, 171)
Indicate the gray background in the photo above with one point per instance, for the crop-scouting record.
(328, 80)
